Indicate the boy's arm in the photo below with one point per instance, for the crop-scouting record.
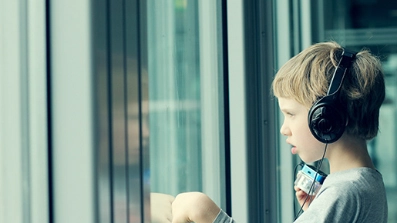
(194, 207)
(161, 206)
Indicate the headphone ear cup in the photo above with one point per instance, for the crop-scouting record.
(327, 120)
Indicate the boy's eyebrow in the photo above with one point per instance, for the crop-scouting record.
(285, 109)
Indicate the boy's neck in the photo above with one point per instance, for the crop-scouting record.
(348, 153)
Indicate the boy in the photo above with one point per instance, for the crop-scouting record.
(323, 121)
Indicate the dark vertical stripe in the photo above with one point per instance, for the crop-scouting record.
(110, 112)
(124, 28)
(226, 107)
(49, 113)
(141, 157)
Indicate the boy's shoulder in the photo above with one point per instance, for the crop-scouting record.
(354, 183)
(355, 195)
(355, 175)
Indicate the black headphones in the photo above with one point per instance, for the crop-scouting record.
(327, 117)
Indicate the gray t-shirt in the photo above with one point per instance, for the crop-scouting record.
(355, 195)
(223, 218)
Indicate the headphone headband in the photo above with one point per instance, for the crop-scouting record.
(327, 117)
(340, 72)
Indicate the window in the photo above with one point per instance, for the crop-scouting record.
(185, 96)
(23, 113)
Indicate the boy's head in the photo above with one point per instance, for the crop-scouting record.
(306, 78)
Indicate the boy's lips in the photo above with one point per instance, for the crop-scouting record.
(293, 149)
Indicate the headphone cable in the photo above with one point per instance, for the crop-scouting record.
(312, 186)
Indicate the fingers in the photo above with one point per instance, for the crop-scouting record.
(300, 194)
(297, 188)
(303, 198)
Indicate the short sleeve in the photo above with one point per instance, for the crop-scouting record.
(223, 218)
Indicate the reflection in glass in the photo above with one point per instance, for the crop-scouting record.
(185, 97)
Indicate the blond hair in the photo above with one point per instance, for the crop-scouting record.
(306, 77)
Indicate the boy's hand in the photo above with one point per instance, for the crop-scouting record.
(194, 207)
(301, 197)
(161, 206)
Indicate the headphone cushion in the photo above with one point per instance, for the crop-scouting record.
(327, 120)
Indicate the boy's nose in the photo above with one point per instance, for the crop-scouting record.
(284, 130)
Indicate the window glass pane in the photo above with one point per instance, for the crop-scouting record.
(185, 97)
